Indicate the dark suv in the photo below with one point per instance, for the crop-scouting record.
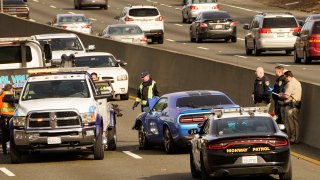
(18, 8)
(307, 45)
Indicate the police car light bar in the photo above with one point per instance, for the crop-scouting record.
(250, 110)
(58, 70)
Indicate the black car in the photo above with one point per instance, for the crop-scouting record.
(240, 143)
(213, 25)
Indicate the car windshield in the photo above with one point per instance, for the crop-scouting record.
(203, 1)
(125, 30)
(143, 12)
(203, 101)
(95, 61)
(13, 2)
(56, 89)
(281, 22)
(63, 44)
(72, 19)
(316, 28)
(12, 54)
(244, 126)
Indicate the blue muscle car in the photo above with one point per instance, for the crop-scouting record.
(168, 122)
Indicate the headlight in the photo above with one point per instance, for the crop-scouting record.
(87, 117)
(122, 77)
(19, 120)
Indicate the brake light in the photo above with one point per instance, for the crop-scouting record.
(314, 39)
(192, 119)
(128, 19)
(21, 9)
(216, 7)
(160, 18)
(203, 25)
(86, 26)
(297, 29)
(144, 39)
(278, 142)
(264, 30)
(193, 8)
(233, 24)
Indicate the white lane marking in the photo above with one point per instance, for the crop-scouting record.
(178, 25)
(169, 6)
(32, 20)
(7, 172)
(184, 43)
(35, 1)
(284, 65)
(241, 39)
(155, 2)
(177, 8)
(71, 12)
(93, 19)
(219, 51)
(132, 154)
(203, 48)
(171, 40)
(241, 56)
(304, 68)
(163, 5)
(289, 4)
(240, 8)
(53, 7)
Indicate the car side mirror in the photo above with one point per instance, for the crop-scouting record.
(296, 33)
(281, 127)
(47, 52)
(193, 131)
(246, 27)
(122, 63)
(301, 23)
(91, 48)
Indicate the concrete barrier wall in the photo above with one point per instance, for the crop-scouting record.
(178, 72)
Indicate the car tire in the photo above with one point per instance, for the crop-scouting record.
(124, 96)
(112, 139)
(297, 60)
(198, 39)
(194, 172)
(168, 141)
(98, 147)
(204, 173)
(143, 141)
(286, 176)
(106, 7)
(248, 51)
(192, 39)
(234, 39)
(226, 40)
(288, 52)
(15, 154)
(306, 59)
(184, 20)
(257, 52)
(160, 39)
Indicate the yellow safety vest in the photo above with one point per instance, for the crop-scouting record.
(150, 93)
(6, 108)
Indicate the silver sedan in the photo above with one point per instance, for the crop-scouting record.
(129, 33)
(192, 8)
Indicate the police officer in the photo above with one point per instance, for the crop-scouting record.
(292, 102)
(6, 112)
(147, 89)
(279, 70)
(261, 95)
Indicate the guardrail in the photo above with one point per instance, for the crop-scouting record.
(178, 72)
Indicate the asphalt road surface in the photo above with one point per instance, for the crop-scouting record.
(127, 162)
(177, 33)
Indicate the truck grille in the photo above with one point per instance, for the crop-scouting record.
(54, 119)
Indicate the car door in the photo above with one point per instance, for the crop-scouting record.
(155, 119)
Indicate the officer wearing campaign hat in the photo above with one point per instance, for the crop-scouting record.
(147, 90)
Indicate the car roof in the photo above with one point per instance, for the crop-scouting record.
(122, 25)
(214, 12)
(93, 54)
(193, 93)
(275, 14)
(141, 6)
(58, 15)
(57, 35)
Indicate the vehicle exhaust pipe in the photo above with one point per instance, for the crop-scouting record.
(275, 171)
(225, 173)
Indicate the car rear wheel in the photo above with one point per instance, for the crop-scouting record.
(168, 141)
(192, 39)
(15, 154)
(98, 147)
(226, 40)
(248, 51)
(124, 96)
(306, 59)
(296, 58)
(184, 20)
(198, 39)
(160, 40)
(234, 39)
(286, 176)
(288, 52)
(194, 172)
(257, 52)
(204, 173)
(143, 141)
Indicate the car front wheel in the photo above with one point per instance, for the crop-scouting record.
(297, 60)
(15, 154)
(306, 58)
(143, 141)
(98, 147)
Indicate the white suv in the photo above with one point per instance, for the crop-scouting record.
(147, 17)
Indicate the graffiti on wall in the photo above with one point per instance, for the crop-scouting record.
(16, 80)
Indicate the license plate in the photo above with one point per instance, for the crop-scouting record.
(129, 40)
(54, 140)
(12, 10)
(280, 35)
(249, 159)
(219, 26)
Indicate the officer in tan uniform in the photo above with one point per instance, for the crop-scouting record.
(292, 102)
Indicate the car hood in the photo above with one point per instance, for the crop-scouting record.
(108, 71)
(82, 105)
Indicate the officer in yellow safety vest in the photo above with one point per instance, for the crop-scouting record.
(6, 112)
(147, 90)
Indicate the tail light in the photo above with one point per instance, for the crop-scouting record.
(297, 29)
(21, 10)
(128, 19)
(193, 8)
(160, 18)
(86, 26)
(275, 142)
(192, 119)
(203, 25)
(314, 39)
(64, 27)
(233, 24)
(264, 30)
(216, 7)
(144, 39)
